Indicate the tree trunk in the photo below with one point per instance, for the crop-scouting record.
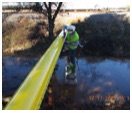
(51, 29)
(51, 18)
(51, 23)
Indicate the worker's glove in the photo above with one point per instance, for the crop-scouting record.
(81, 46)
(64, 34)
(64, 30)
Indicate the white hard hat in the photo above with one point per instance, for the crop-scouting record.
(71, 27)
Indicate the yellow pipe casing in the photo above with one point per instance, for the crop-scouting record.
(31, 92)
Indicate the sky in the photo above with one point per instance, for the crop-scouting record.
(100, 3)
(85, 4)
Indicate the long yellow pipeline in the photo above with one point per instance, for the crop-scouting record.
(31, 92)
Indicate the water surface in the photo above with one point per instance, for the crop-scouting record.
(97, 79)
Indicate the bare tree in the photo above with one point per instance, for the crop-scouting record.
(52, 15)
(51, 10)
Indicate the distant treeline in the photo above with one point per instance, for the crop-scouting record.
(37, 7)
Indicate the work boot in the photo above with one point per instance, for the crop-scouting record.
(73, 70)
(69, 70)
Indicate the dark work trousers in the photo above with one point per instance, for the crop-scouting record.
(72, 57)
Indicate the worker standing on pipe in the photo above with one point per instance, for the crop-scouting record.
(71, 42)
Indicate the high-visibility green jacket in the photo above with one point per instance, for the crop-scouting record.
(72, 39)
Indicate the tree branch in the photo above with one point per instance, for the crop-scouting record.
(49, 11)
(46, 5)
(57, 10)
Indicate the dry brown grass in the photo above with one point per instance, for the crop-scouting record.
(17, 28)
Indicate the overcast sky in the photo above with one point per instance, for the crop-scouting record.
(101, 3)
(85, 4)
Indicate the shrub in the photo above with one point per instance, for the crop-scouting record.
(105, 34)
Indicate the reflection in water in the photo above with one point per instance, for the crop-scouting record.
(14, 71)
(102, 83)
